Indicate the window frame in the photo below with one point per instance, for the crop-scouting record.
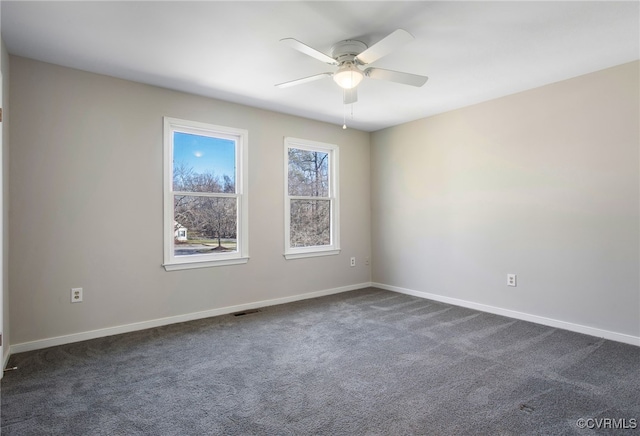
(333, 152)
(241, 138)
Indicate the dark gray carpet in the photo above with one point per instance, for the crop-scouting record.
(367, 362)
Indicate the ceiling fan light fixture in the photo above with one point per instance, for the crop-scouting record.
(348, 76)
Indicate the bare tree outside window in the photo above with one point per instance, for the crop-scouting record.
(308, 173)
(204, 202)
(310, 206)
(310, 223)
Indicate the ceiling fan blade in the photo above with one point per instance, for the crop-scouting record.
(350, 95)
(303, 80)
(395, 76)
(385, 46)
(309, 51)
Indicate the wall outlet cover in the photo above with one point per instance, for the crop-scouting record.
(76, 295)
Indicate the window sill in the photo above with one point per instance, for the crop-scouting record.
(301, 255)
(204, 264)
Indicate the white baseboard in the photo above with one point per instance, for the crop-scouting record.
(592, 331)
(93, 334)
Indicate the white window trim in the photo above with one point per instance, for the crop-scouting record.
(334, 197)
(241, 255)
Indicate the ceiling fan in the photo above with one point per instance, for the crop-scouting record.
(349, 55)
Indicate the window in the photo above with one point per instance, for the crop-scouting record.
(311, 199)
(205, 203)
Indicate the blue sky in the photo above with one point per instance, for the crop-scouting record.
(203, 153)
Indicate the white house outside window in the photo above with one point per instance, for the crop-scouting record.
(311, 199)
(205, 202)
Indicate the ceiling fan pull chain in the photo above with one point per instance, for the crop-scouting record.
(344, 110)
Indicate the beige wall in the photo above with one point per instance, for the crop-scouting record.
(544, 183)
(86, 196)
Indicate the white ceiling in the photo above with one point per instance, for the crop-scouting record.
(471, 51)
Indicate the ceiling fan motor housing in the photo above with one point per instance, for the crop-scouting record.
(346, 51)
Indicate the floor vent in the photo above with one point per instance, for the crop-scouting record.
(246, 312)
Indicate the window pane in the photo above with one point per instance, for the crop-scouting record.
(208, 223)
(310, 223)
(308, 173)
(203, 163)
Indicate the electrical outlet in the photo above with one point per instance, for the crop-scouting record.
(76, 295)
(366, 261)
(353, 261)
(512, 280)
